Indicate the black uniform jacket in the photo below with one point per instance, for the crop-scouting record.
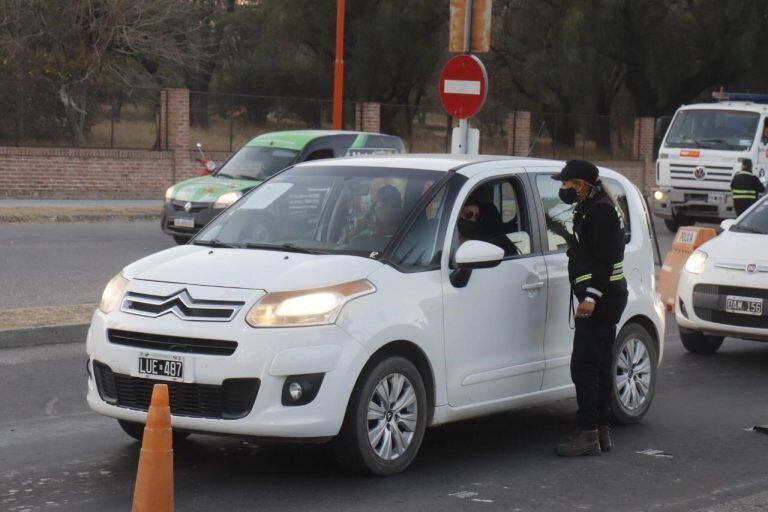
(746, 185)
(596, 250)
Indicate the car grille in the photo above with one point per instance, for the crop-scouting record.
(232, 400)
(172, 343)
(714, 173)
(178, 206)
(709, 305)
(182, 305)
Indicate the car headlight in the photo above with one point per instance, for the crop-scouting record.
(169, 195)
(227, 199)
(113, 293)
(658, 195)
(320, 306)
(696, 262)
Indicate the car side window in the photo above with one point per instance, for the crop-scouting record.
(494, 212)
(419, 248)
(558, 216)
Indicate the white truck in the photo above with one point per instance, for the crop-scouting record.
(701, 151)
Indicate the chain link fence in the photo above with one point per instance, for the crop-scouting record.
(75, 115)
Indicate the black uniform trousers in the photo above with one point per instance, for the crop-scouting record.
(741, 205)
(592, 360)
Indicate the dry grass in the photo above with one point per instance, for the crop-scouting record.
(42, 214)
(45, 317)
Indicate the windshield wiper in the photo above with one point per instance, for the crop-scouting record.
(213, 243)
(714, 141)
(223, 175)
(244, 177)
(287, 247)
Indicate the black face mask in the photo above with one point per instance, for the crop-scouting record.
(568, 195)
(467, 228)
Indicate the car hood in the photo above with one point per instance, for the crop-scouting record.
(735, 246)
(255, 269)
(207, 189)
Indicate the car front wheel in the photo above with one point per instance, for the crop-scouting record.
(698, 343)
(385, 420)
(634, 364)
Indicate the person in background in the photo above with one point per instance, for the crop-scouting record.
(745, 187)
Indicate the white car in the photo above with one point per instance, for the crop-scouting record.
(335, 303)
(723, 289)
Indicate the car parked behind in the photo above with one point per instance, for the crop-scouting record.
(723, 289)
(191, 204)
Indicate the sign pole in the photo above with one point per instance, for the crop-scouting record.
(338, 77)
(464, 123)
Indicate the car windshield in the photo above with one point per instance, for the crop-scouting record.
(756, 221)
(257, 163)
(713, 129)
(338, 209)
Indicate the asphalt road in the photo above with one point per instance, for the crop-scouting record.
(59, 264)
(693, 451)
(62, 264)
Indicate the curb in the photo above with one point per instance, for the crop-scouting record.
(49, 335)
(37, 219)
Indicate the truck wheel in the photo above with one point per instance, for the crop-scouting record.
(136, 431)
(385, 420)
(634, 373)
(697, 343)
(674, 223)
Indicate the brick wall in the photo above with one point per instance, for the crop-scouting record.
(518, 133)
(84, 173)
(368, 117)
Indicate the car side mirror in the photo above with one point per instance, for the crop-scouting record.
(727, 224)
(476, 254)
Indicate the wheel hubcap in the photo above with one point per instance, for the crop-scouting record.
(633, 374)
(392, 416)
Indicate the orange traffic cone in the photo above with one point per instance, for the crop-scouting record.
(154, 479)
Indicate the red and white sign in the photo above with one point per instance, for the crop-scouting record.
(463, 86)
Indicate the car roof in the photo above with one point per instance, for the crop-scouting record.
(296, 139)
(468, 164)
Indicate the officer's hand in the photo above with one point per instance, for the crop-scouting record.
(585, 309)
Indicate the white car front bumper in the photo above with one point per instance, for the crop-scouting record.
(269, 355)
(700, 298)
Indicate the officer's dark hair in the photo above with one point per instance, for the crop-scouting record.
(600, 186)
(746, 163)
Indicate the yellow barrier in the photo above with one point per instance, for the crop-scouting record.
(687, 239)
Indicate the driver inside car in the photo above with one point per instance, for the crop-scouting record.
(384, 215)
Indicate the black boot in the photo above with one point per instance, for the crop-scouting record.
(586, 443)
(604, 433)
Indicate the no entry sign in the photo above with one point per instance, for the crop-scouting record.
(463, 86)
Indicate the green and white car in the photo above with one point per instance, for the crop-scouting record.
(191, 204)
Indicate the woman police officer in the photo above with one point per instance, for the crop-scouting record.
(595, 270)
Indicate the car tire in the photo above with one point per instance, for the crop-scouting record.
(353, 447)
(674, 223)
(697, 343)
(136, 431)
(181, 240)
(635, 359)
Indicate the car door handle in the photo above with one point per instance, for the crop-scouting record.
(533, 286)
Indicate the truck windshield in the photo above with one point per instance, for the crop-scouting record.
(322, 209)
(713, 129)
(257, 163)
